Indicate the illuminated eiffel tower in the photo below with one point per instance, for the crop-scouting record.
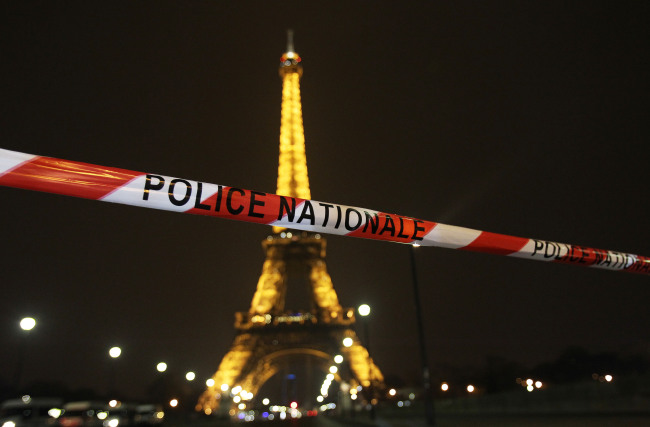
(271, 337)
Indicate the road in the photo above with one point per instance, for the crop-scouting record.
(452, 421)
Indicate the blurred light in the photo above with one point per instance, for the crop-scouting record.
(27, 324)
(113, 423)
(608, 378)
(530, 388)
(265, 401)
(392, 392)
(538, 384)
(236, 390)
(54, 412)
(210, 382)
(334, 369)
(190, 376)
(161, 367)
(242, 406)
(294, 405)
(444, 387)
(102, 415)
(236, 399)
(364, 310)
(347, 342)
(529, 382)
(224, 387)
(320, 399)
(353, 397)
(412, 396)
(9, 424)
(113, 403)
(173, 403)
(26, 398)
(338, 359)
(470, 388)
(115, 352)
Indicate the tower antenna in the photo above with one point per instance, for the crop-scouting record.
(289, 40)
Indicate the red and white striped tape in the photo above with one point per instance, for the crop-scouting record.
(182, 195)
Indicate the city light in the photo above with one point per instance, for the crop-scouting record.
(392, 392)
(444, 387)
(190, 376)
(161, 367)
(470, 388)
(115, 352)
(27, 324)
(364, 310)
(209, 382)
(333, 369)
(338, 359)
(347, 342)
(265, 401)
(173, 403)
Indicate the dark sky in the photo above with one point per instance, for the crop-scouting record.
(524, 118)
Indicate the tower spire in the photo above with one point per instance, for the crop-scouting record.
(289, 40)
(292, 169)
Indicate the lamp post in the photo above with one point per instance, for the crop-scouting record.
(26, 324)
(426, 375)
(364, 311)
(114, 353)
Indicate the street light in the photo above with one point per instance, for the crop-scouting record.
(114, 353)
(26, 324)
(364, 311)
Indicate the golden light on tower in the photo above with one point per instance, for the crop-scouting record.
(270, 335)
(293, 180)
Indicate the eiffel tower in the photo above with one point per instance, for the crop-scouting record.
(271, 337)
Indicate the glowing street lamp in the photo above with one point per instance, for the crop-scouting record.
(27, 324)
(364, 310)
(114, 353)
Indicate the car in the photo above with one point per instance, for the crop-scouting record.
(83, 414)
(30, 412)
(148, 415)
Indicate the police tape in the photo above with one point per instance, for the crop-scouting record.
(156, 191)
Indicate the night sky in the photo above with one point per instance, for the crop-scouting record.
(524, 118)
